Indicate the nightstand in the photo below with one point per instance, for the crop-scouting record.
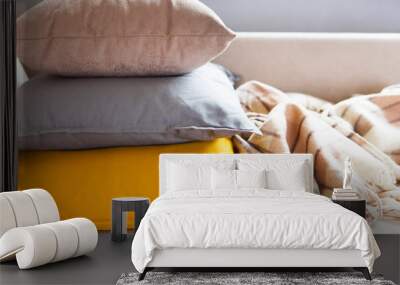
(356, 206)
(120, 207)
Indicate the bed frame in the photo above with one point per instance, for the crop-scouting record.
(256, 259)
(249, 259)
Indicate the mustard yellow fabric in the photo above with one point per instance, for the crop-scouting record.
(84, 182)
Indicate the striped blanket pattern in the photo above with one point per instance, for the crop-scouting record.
(365, 128)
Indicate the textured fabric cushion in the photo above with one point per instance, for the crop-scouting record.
(119, 37)
(78, 113)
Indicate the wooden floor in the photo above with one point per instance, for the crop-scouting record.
(103, 266)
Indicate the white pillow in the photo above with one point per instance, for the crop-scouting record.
(282, 173)
(251, 178)
(293, 180)
(224, 179)
(188, 177)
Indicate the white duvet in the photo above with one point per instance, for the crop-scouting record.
(250, 219)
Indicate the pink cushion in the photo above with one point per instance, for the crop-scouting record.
(119, 37)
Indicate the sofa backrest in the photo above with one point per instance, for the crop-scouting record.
(234, 161)
(327, 65)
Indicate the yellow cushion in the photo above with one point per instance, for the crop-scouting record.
(84, 182)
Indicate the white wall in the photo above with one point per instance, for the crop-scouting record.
(309, 15)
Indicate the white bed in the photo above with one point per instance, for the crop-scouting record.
(249, 227)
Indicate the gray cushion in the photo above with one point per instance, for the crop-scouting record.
(78, 113)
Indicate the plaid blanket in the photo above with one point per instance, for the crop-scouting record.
(365, 128)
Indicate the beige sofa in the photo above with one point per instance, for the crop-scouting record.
(330, 66)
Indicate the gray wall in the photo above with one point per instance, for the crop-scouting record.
(300, 15)
(309, 15)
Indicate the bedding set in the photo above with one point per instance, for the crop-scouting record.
(105, 98)
(253, 219)
(210, 202)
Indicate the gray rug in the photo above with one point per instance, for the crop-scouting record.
(268, 278)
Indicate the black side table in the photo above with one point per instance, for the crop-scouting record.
(120, 207)
(356, 206)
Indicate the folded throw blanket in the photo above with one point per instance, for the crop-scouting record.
(365, 128)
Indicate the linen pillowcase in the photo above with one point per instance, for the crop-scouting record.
(282, 174)
(251, 179)
(119, 37)
(184, 174)
(82, 113)
(293, 180)
(223, 179)
(238, 179)
(186, 178)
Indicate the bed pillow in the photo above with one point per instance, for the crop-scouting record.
(81, 113)
(185, 174)
(223, 179)
(251, 179)
(293, 180)
(281, 174)
(187, 178)
(119, 37)
(226, 179)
